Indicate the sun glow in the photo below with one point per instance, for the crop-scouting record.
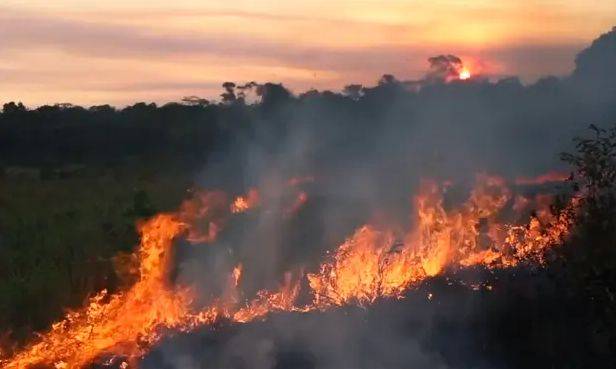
(464, 74)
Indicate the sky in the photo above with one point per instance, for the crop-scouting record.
(120, 52)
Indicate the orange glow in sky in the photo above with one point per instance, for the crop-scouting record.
(121, 52)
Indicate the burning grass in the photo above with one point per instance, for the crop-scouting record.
(374, 262)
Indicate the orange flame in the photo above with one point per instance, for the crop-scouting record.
(244, 203)
(127, 323)
(373, 263)
(267, 302)
(122, 323)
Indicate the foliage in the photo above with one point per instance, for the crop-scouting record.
(595, 163)
(590, 259)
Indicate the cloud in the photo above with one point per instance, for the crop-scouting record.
(24, 30)
(107, 45)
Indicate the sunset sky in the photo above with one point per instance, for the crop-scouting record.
(123, 51)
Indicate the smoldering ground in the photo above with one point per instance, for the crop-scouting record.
(444, 324)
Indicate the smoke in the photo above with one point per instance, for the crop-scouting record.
(367, 152)
(325, 163)
(388, 336)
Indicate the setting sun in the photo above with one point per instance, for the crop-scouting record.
(465, 74)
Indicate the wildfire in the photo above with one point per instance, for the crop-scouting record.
(122, 324)
(125, 324)
(375, 262)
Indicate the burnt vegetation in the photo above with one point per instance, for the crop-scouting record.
(75, 180)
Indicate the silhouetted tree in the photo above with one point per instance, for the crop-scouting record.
(595, 163)
(228, 96)
(12, 108)
(354, 91)
(195, 101)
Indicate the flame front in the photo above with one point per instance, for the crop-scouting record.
(375, 262)
(127, 323)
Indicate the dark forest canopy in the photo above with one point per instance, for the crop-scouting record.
(480, 121)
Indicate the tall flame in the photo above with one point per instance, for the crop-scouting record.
(123, 323)
(373, 263)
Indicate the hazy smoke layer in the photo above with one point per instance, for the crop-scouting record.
(365, 152)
